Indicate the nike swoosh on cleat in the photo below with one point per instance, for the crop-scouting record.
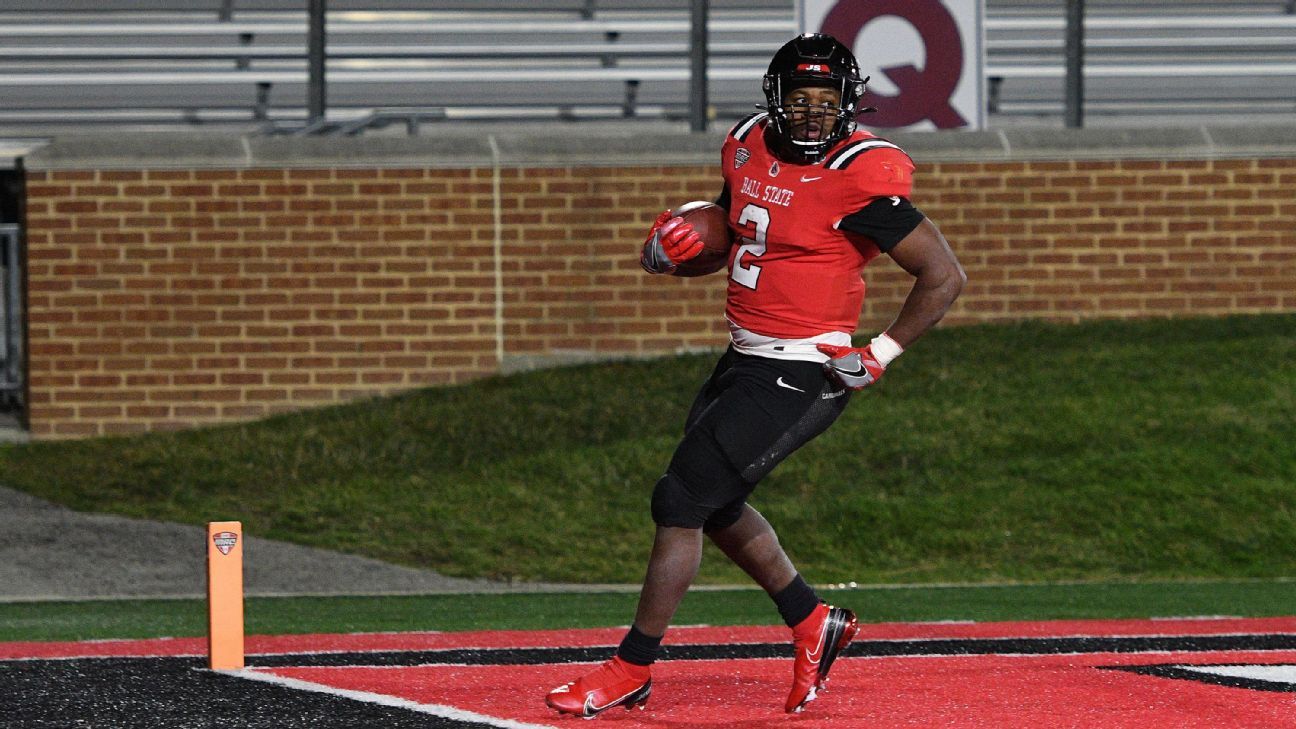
(814, 657)
(781, 383)
(590, 709)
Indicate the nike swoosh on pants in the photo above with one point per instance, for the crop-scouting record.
(783, 384)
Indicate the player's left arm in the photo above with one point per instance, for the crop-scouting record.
(885, 177)
(896, 227)
(938, 281)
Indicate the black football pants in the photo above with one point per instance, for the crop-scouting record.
(752, 413)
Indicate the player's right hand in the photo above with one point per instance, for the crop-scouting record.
(671, 241)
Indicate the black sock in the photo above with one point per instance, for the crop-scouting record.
(638, 648)
(796, 601)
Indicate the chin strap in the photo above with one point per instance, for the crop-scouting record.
(791, 151)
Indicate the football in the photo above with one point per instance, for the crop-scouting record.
(712, 223)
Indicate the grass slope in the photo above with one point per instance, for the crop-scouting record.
(1157, 449)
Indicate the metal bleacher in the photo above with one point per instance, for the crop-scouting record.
(241, 63)
(543, 63)
(1203, 59)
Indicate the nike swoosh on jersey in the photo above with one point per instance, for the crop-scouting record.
(781, 383)
(810, 179)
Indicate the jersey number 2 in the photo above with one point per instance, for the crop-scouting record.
(759, 217)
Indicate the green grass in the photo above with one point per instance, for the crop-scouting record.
(1155, 450)
(532, 611)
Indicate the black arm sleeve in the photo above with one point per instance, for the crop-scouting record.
(886, 221)
(724, 199)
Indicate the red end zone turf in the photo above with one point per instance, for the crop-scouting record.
(1133, 673)
(980, 691)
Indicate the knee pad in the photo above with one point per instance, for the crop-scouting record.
(674, 505)
(725, 517)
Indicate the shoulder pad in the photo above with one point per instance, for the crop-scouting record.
(853, 150)
(876, 166)
(744, 127)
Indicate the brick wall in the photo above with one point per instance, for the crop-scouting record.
(167, 298)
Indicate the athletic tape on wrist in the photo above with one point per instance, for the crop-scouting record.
(885, 349)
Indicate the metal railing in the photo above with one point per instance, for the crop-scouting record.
(253, 71)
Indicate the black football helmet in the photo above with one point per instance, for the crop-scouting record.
(812, 59)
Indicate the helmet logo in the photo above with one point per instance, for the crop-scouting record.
(741, 156)
(924, 93)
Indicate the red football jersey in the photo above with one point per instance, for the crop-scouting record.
(794, 273)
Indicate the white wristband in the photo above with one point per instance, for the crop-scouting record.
(885, 348)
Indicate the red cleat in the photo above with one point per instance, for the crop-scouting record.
(615, 683)
(818, 640)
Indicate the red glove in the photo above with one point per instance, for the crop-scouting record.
(852, 367)
(670, 242)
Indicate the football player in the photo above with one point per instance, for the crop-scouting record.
(813, 199)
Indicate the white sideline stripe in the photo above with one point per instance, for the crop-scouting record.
(445, 712)
(1273, 673)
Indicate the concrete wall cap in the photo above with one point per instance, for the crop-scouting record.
(576, 146)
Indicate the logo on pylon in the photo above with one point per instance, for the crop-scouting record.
(225, 541)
